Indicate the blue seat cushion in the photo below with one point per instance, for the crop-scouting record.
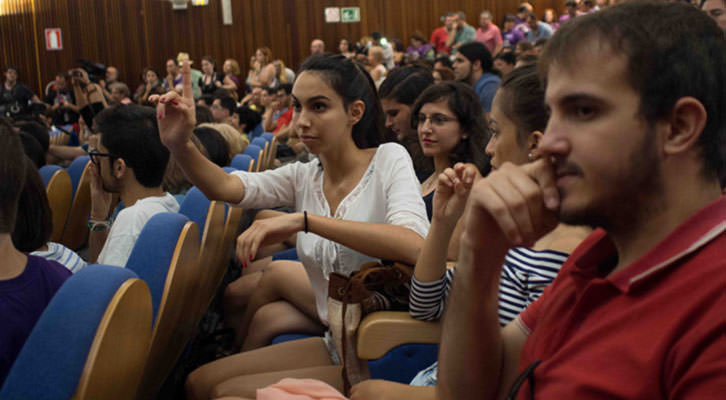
(289, 337)
(402, 363)
(289, 254)
(50, 363)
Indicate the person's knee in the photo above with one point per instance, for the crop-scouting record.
(237, 293)
(198, 384)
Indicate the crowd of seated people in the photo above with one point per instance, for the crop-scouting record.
(556, 183)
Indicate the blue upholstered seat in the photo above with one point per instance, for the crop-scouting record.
(241, 162)
(257, 131)
(402, 363)
(153, 252)
(75, 170)
(253, 151)
(47, 172)
(259, 141)
(195, 207)
(53, 358)
(268, 136)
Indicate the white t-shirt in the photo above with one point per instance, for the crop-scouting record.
(388, 193)
(128, 225)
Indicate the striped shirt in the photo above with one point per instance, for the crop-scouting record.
(525, 274)
(63, 255)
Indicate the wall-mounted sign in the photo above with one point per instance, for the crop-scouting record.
(53, 39)
(332, 14)
(350, 14)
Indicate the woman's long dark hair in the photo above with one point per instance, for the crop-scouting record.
(352, 83)
(464, 103)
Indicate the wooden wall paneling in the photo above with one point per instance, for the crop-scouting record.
(133, 34)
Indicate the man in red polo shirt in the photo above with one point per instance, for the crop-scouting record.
(634, 147)
(441, 34)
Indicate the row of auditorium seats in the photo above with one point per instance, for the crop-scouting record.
(114, 352)
(68, 189)
(396, 345)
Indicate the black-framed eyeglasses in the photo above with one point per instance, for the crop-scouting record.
(96, 156)
(526, 375)
(436, 119)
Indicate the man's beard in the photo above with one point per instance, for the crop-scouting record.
(629, 198)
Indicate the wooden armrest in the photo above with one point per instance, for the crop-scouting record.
(381, 331)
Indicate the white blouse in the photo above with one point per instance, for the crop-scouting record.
(388, 193)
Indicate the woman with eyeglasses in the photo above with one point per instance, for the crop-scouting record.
(451, 129)
(517, 120)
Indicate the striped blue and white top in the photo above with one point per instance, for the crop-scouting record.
(63, 255)
(525, 274)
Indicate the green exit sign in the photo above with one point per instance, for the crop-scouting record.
(350, 14)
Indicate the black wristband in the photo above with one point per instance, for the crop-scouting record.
(305, 214)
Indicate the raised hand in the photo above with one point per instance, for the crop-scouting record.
(514, 205)
(267, 231)
(176, 114)
(452, 191)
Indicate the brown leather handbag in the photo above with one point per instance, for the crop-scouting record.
(375, 287)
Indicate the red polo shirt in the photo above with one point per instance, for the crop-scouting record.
(438, 38)
(654, 330)
(283, 120)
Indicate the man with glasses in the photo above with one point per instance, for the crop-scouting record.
(223, 108)
(634, 147)
(129, 160)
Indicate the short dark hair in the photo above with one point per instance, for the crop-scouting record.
(287, 87)
(12, 176)
(207, 98)
(249, 117)
(464, 103)
(404, 84)
(215, 144)
(130, 132)
(37, 130)
(474, 51)
(228, 104)
(32, 149)
(507, 56)
(352, 83)
(444, 60)
(522, 101)
(34, 223)
(570, 3)
(673, 50)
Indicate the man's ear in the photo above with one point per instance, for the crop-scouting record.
(356, 111)
(686, 123)
(119, 168)
(476, 65)
(533, 140)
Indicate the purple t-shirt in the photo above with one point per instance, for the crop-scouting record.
(22, 300)
(512, 37)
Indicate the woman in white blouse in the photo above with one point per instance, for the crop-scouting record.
(358, 202)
